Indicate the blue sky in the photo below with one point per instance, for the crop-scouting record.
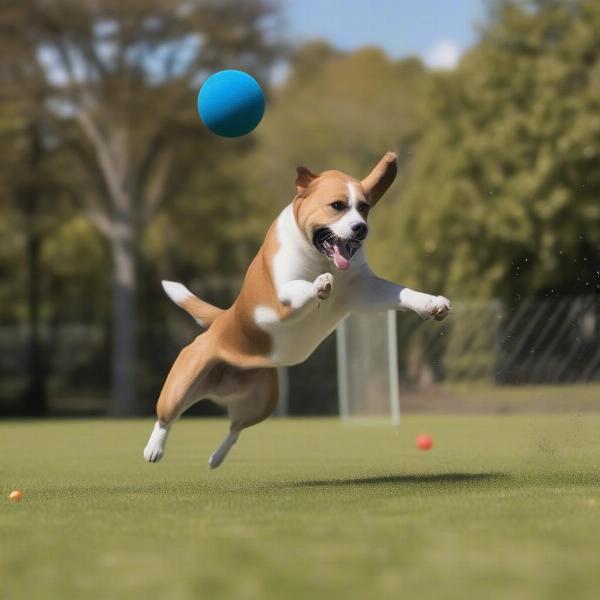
(436, 30)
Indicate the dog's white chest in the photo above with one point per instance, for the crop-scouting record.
(293, 340)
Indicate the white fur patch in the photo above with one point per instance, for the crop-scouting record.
(155, 448)
(425, 305)
(218, 456)
(296, 258)
(343, 227)
(296, 293)
(323, 286)
(296, 266)
(176, 291)
(351, 194)
(263, 315)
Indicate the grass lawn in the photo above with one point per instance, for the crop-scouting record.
(502, 507)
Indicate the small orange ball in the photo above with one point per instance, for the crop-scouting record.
(15, 496)
(424, 441)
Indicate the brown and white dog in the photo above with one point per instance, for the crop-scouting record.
(289, 302)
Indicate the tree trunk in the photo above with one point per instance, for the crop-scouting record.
(123, 401)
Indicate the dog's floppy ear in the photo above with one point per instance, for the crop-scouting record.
(304, 179)
(376, 183)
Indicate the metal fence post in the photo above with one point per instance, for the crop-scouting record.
(342, 370)
(393, 367)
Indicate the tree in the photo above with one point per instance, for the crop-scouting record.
(26, 185)
(120, 88)
(503, 194)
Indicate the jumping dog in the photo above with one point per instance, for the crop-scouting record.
(310, 273)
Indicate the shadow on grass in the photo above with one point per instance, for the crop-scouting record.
(418, 479)
(200, 487)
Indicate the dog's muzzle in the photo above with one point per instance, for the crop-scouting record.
(337, 249)
(359, 231)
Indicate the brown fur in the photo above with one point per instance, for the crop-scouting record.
(380, 178)
(320, 193)
(233, 341)
(202, 311)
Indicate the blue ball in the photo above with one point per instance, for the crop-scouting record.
(231, 103)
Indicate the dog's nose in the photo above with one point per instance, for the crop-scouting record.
(360, 231)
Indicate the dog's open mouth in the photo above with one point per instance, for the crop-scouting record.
(335, 248)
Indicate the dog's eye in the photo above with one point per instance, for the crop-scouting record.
(363, 207)
(338, 205)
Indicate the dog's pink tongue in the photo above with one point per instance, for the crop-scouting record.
(340, 261)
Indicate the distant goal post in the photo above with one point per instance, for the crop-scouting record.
(367, 367)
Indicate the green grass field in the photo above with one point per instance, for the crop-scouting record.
(502, 507)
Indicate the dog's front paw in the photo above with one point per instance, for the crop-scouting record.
(438, 308)
(323, 286)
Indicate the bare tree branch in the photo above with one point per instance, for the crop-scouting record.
(108, 166)
(154, 191)
(99, 219)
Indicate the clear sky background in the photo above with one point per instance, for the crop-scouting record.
(436, 30)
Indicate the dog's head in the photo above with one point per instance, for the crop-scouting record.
(332, 208)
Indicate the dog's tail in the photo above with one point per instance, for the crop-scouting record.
(203, 312)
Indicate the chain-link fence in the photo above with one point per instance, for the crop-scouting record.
(485, 357)
(549, 342)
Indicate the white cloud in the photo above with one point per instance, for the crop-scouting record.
(444, 54)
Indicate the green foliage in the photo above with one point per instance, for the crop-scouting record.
(498, 185)
(75, 260)
(112, 87)
(108, 91)
(503, 194)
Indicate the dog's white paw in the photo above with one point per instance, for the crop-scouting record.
(153, 453)
(437, 308)
(218, 456)
(155, 448)
(323, 286)
(215, 460)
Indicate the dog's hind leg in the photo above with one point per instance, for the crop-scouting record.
(182, 388)
(253, 400)
(218, 456)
